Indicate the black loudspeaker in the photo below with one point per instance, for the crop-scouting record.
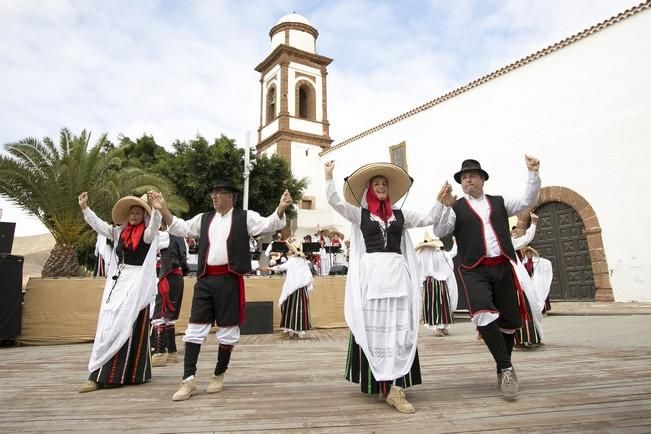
(259, 318)
(338, 270)
(7, 230)
(11, 292)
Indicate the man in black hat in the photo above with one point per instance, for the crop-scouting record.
(487, 257)
(224, 257)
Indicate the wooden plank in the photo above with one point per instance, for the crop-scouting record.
(281, 385)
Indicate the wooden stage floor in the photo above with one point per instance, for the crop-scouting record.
(593, 375)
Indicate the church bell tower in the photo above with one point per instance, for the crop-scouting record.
(293, 93)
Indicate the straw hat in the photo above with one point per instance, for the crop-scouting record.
(341, 236)
(120, 212)
(535, 252)
(294, 250)
(430, 242)
(399, 181)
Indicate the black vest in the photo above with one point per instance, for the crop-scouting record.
(469, 230)
(372, 233)
(237, 244)
(173, 256)
(132, 257)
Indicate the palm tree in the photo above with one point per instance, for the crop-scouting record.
(45, 179)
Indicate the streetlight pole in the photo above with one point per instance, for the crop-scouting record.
(247, 171)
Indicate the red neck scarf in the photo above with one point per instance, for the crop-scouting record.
(131, 235)
(377, 207)
(529, 266)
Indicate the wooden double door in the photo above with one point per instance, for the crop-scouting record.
(560, 238)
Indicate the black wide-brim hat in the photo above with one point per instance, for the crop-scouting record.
(225, 184)
(470, 166)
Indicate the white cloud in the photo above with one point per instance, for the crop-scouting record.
(175, 69)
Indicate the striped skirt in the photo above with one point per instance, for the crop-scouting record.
(436, 303)
(527, 335)
(295, 312)
(132, 364)
(358, 371)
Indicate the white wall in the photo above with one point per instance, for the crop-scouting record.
(302, 40)
(584, 110)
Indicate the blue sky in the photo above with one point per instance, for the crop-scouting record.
(174, 69)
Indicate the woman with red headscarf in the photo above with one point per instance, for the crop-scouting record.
(382, 302)
(120, 352)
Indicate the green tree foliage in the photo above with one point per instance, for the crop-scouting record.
(267, 182)
(195, 165)
(45, 179)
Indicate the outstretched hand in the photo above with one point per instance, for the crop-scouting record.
(83, 200)
(285, 201)
(445, 195)
(156, 199)
(329, 167)
(533, 164)
(534, 218)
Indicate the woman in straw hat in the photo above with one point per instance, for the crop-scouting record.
(440, 294)
(540, 274)
(120, 352)
(294, 300)
(382, 301)
(531, 333)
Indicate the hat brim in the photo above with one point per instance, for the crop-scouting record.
(294, 250)
(341, 236)
(230, 188)
(434, 244)
(457, 176)
(399, 181)
(535, 252)
(120, 212)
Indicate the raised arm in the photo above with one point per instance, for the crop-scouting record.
(524, 240)
(531, 191)
(175, 225)
(343, 208)
(151, 231)
(98, 225)
(443, 215)
(258, 225)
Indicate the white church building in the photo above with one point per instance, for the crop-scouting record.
(581, 105)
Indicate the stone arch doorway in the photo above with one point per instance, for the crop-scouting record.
(569, 235)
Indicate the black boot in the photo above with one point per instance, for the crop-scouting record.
(190, 359)
(223, 357)
(160, 339)
(170, 331)
(509, 340)
(496, 343)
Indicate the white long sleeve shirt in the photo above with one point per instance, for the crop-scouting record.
(220, 228)
(445, 218)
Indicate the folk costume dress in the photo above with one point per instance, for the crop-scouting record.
(541, 272)
(121, 353)
(531, 332)
(440, 292)
(382, 300)
(294, 298)
(173, 265)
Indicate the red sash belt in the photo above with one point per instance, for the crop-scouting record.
(164, 291)
(220, 270)
(497, 260)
